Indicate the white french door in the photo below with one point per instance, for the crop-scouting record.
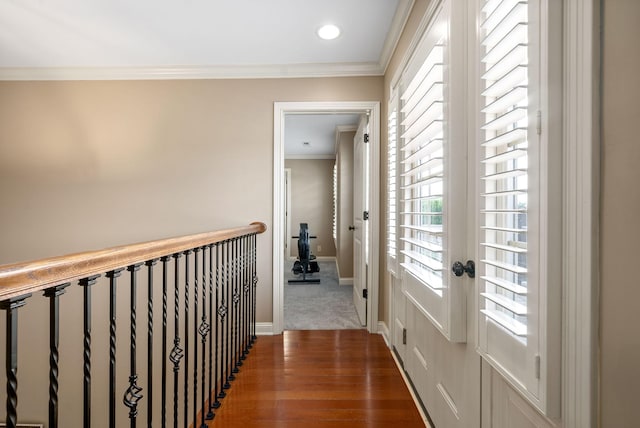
(360, 232)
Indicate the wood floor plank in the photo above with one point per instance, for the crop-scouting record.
(318, 379)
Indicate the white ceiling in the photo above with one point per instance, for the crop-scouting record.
(319, 130)
(171, 39)
(58, 39)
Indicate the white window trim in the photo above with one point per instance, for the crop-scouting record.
(581, 188)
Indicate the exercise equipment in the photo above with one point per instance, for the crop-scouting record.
(306, 262)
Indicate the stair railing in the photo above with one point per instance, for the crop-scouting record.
(208, 279)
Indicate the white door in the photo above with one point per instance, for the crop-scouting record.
(436, 226)
(360, 232)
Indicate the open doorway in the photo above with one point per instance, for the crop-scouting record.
(282, 213)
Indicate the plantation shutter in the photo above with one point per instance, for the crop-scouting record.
(504, 155)
(392, 189)
(433, 174)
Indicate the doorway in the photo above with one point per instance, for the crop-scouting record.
(370, 109)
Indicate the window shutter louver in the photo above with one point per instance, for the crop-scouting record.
(392, 189)
(504, 164)
(423, 171)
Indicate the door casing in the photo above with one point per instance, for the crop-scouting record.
(280, 110)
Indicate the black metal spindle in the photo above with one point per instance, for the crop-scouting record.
(227, 283)
(219, 323)
(245, 333)
(11, 359)
(210, 414)
(229, 345)
(186, 338)
(112, 275)
(176, 352)
(86, 284)
(255, 283)
(203, 330)
(133, 392)
(150, 264)
(195, 334)
(234, 308)
(236, 301)
(53, 295)
(163, 386)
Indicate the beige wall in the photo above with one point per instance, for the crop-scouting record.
(620, 205)
(312, 203)
(344, 239)
(86, 165)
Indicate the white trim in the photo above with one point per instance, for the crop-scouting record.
(280, 109)
(395, 31)
(345, 281)
(310, 157)
(325, 258)
(264, 329)
(182, 72)
(422, 27)
(339, 130)
(581, 215)
(411, 391)
(383, 330)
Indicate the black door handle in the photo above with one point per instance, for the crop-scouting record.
(352, 228)
(459, 269)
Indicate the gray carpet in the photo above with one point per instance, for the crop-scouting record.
(324, 306)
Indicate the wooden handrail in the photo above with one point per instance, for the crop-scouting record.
(27, 277)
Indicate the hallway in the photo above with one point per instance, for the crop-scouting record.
(342, 378)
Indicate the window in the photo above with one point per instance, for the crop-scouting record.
(516, 210)
(432, 135)
(392, 185)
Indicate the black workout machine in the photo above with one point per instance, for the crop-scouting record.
(306, 263)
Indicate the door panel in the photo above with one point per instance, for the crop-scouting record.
(359, 235)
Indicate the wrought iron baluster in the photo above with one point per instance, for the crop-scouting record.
(176, 352)
(163, 385)
(86, 284)
(195, 335)
(219, 392)
(227, 280)
(255, 283)
(204, 331)
(53, 294)
(210, 414)
(112, 275)
(11, 359)
(245, 286)
(232, 314)
(186, 338)
(133, 392)
(237, 300)
(150, 264)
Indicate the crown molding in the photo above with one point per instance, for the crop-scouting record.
(395, 31)
(183, 73)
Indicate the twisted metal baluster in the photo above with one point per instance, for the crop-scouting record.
(210, 414)
(176, 352)
(86, 284)
(53, 294)
(195, 335)
(11, 361)
(133, 393)
(203, 330)
(255, 284)
(219, 318)
(112, 275)
(150, 264)
(226, 343)
(186, 338)
(165, 263)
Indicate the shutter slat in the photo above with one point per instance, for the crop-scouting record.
(429, 278)
(506, 285)
(506, 174)
(517, 76)
(420, 122)
(508, 248)
(430, 132)
(506, 266)
(433, 247)
(431, 264)
(498, 28)
(424, 152)
(510, 117)
(514, 326)
(505, 156)
(428, 165)
(506, 303)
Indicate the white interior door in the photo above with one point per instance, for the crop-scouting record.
(360, 224)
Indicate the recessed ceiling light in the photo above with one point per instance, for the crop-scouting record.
(328, 32)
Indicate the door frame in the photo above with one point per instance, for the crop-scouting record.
(280, 109)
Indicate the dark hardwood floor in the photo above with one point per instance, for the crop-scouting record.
(311, 379)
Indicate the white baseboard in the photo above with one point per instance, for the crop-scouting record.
(326, 258)
(264, 329)
(384, 331)
(345, 281)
